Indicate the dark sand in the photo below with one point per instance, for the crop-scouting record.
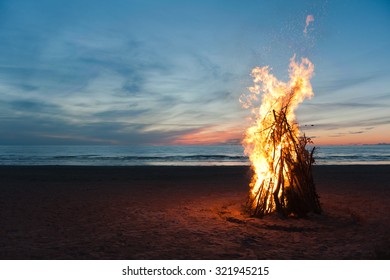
(185, 213)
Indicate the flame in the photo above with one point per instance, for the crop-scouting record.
(264, 155)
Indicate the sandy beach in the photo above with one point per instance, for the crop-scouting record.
(185, 213)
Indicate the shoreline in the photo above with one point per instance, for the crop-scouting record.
(190, 164)
(185, 212)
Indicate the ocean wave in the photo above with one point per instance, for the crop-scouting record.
(157, 158)
(173, 155)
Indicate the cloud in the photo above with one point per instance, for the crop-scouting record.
(333, 86)
(357, 132)
(36, 130)
(366, 124)
(329, 106)
(31, 106)
(112, 115)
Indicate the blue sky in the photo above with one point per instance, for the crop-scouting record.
(171, 72)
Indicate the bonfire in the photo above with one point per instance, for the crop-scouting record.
(282, 178)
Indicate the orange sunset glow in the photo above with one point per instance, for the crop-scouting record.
(220, 135)
(211, 136)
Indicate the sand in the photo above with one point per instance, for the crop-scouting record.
(185, 213)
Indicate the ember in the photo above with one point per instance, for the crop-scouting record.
(282, 165)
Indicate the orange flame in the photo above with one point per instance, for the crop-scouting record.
(276, 96)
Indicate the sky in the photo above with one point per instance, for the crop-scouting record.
(143, 72)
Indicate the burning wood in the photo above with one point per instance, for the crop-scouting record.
(282, 181)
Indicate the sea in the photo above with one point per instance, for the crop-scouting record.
(175, 155)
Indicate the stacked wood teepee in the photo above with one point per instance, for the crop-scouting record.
(292, 191)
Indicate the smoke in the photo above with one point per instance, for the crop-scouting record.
(309, 19)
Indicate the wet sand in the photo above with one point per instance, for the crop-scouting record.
(185, 213)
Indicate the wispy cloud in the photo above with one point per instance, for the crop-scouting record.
(334, 86)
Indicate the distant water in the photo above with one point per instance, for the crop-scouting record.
(174, 155)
